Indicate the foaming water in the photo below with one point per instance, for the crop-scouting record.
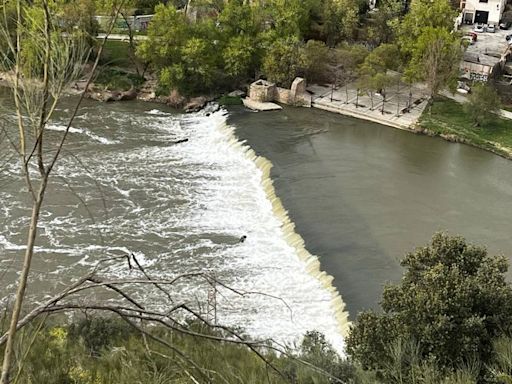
(180, 208)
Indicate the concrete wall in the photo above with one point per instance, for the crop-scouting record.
(494, 7)
(264, 91)
(475, 71)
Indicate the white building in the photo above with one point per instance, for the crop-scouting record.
(482, 11)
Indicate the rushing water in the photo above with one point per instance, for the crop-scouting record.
(123, 186)
(360, 194)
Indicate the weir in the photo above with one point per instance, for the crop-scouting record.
(311, 262)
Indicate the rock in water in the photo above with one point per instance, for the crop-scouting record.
(195, 104)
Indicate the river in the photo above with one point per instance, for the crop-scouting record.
(363, 195)
(360, 195)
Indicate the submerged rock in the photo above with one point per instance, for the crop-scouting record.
(196, 104)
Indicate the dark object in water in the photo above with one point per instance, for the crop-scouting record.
(180, 141)
(242, 239)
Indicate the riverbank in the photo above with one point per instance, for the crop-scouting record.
(448, 120)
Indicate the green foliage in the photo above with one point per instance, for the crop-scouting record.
(423, 15)
(435, 58)
(283, 61)
(239, 39)
(79, 15)
(381, 23)
(449, 118)
(316, 60)
(98, 333)
(453, 300)
(102, 350)
(483, 104)
(239, 57)
(230, 100)
(118, 80)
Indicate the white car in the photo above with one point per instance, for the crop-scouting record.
(479, 28)
(491, 28)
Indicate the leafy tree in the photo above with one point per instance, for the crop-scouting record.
(347, 60)
(283, 61)
(435, 59)
(238, 18)
(316, 57)
(166, 33)
(423, 15)
(79, 15)
(483, 104)
(238, 57)
(340, 17)
(381, 29)
(373, 71)
(453, 300)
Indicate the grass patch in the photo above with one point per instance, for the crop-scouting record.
(230, 100)
(115, 53)
(97, 350)
(114, 79)
(448, 117)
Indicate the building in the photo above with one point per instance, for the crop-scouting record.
(482, 11)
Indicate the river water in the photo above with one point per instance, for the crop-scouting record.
(123, 186)
(363, 195)
(360, 195)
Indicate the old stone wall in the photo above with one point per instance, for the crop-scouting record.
(263, 91)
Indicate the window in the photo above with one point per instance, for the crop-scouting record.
(483, 1)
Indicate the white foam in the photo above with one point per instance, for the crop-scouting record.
(62, 128)
(181, 208)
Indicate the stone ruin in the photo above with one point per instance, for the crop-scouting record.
(263, 91)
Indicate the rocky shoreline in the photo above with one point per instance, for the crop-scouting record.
(147, 92)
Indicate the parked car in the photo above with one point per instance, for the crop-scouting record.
(508, 38)
(505, 24)
(479, 28)
(491, 28)
(472, 35)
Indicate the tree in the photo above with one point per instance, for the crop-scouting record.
(452, 301)
(283, 61)
(44, 62)
(348, 58)
(167, 33)
(423, 15)
(316, 57)
(435, 59)
(382, 21)
(340, 17)
(373, 71)
(483, 104)
(239, 57)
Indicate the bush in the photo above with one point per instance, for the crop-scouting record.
(450, 305)
(230, 100)
(483, 104)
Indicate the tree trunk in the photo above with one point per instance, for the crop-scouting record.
(20, 293)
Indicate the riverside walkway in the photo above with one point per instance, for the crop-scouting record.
(394, 113)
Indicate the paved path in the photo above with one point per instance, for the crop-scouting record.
(120, 37)
(394, 113)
